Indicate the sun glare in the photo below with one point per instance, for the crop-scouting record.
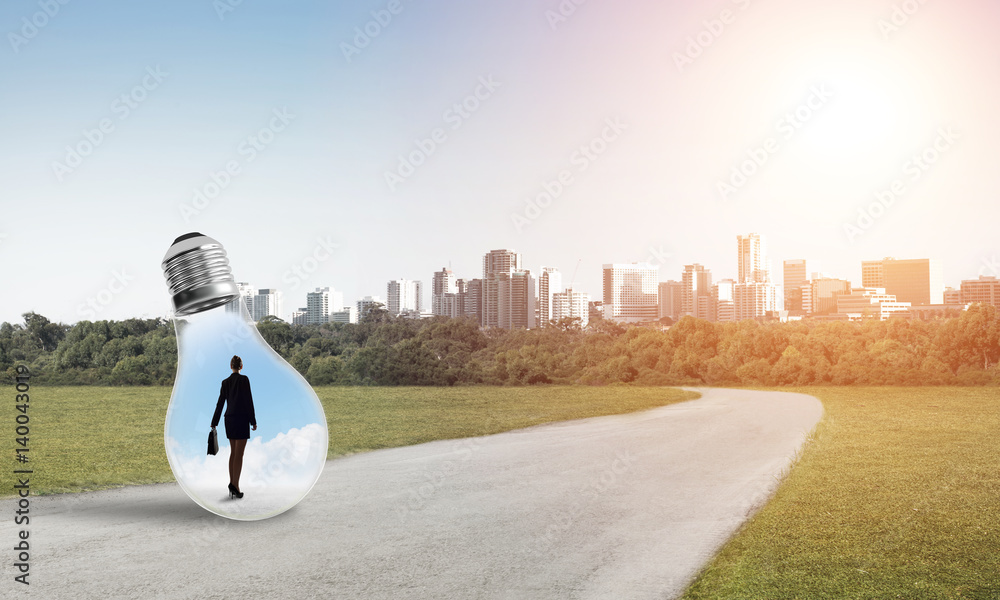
(872, 107)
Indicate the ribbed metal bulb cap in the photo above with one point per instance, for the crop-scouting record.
(198, 274)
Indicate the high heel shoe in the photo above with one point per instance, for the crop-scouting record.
(233, 492)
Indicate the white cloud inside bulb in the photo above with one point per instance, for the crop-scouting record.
(289, 460)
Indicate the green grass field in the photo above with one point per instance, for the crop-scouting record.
(89, 438)
(898, 496)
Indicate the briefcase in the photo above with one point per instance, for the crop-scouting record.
(213, 442)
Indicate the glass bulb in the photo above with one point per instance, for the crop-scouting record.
(285, 456)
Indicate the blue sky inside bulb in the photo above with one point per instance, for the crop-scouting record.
(284, 456)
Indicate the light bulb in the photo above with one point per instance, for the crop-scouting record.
(284, 457)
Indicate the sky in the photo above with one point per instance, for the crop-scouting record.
(346, 144)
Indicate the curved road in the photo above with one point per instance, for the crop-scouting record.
(628, 506)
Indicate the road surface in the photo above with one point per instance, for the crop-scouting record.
(628, 506)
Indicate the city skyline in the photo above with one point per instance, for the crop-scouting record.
(278, 297)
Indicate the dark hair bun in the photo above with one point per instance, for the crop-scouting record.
(236, 363)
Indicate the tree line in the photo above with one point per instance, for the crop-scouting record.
(386, 350)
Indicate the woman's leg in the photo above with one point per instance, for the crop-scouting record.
(232, 459)
(238, 447)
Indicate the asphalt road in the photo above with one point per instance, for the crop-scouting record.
(628, 506)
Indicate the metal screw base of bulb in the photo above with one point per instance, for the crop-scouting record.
(198, 274)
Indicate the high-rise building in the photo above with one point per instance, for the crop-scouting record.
(318, 306)
(247, 292)
(495, 264)
(754, 294)
(570, 304)
(549, 283)
(403, 296)
(917, 281)
(796, 276)
(299, 316)
(952, 296)
(873, 273)
(724, 300)
(671, 299)
(824, 292)
(266, 302)
(472, 299)
(444, 294)
(348, 315)
(367, 303)
(515, 300)
(754, 300)
(630, 292)
(696, 283)
(985, 290)
(798, 300)
(753, 265)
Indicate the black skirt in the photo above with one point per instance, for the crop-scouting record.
(237, 428)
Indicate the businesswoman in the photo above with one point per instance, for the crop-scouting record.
(239, 419)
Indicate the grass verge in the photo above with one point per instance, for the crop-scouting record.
(898, 496)
(89, 438)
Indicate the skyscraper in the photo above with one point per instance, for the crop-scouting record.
(549, 283)
(796, 276)
(247, 292)
(495, 264)
(696, 284)
(471, 299)
(918, 281)
(873, 273)
(671, 298)
(318, 306)
(403, 296)
(754, 295)
(724, 300)
(515, 300)
(825, 293)
(444, 294)
(571, 304)
(752, 254)
(630, 292)
(267, 302)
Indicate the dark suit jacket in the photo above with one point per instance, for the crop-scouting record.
(236, 391)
